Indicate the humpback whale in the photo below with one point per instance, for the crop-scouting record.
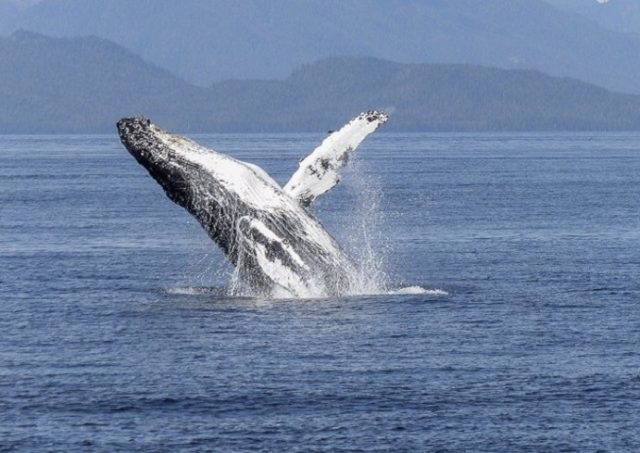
(268, 232)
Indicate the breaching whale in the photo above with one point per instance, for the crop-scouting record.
(268, 232)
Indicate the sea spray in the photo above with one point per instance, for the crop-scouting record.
(361, 229)
(206, 266)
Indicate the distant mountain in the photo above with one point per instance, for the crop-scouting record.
(423, 97)
(80, 84)
(618, 15)
(212, 40)
(83, 85)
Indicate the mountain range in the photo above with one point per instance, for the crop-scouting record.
(83, 85)
(208, 41)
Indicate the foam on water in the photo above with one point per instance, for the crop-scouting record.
(228, 292)
(195, 290)
(411, 290)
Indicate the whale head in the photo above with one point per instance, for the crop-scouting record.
(143, 141)
(191, 173)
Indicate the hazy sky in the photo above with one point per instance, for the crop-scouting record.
(22, 2)
(31, 2)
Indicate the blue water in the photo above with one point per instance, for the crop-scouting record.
(116, 334)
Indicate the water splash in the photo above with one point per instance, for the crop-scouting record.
(362, 231)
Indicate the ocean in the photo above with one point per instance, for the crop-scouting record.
(507, 316)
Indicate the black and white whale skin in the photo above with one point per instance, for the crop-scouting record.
(278, 247)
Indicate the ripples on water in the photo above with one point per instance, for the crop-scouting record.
(117, 334)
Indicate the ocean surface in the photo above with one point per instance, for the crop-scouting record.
(508, 316)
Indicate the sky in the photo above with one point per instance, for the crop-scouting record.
(23, 3)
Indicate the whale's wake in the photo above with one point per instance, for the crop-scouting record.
(225, 293)
(269, 234)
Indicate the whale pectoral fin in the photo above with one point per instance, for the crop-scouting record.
(319, 171)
